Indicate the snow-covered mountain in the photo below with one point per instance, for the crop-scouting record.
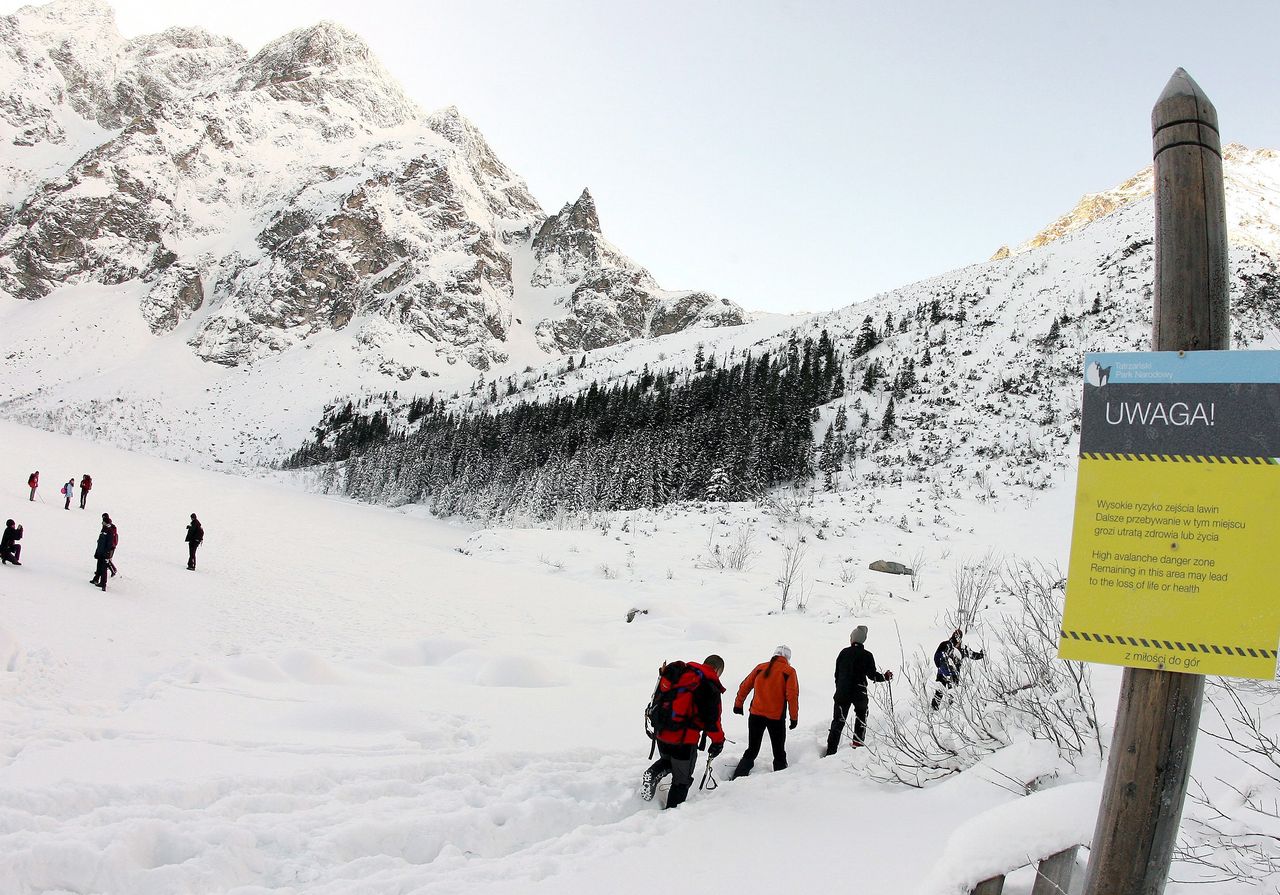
(252, 203)
(990, 354)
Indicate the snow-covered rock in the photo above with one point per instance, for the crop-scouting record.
(271, 198)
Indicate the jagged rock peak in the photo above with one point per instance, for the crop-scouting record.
(455, 127)
(64, 13)
(182, 38)
(583, 216)
(573, 232)
(324, 44)
(458, 130)
(327, 62)
(579, 215)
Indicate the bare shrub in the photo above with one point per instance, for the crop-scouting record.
(791, 578)
(742, 550)
(864, 604)
(1231, 828)
(1021, 690)
(972, 582)
(919, 564)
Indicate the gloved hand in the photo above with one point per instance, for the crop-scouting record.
(715, 749)
(976, 654)
(888, 675)
(794, 722)
(737, 710)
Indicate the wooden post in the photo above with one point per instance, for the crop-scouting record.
(993, 886)
(1053, 876)
(1159, 711)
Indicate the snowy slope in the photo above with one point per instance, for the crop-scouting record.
(349, 699)
(397, 715)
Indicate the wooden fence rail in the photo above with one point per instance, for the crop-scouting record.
(1053, 876)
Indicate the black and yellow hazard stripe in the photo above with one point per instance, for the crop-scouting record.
(1184, 458)
(1211, 649)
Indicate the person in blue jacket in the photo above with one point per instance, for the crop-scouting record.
(948, 658)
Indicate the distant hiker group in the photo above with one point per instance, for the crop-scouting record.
(684, 713)
(108, 535)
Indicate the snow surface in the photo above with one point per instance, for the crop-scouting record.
(353, 699)
(339, 700)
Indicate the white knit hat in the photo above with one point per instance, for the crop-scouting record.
(784, 652)
(859, 635)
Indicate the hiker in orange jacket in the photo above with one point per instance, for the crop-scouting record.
(777, 690)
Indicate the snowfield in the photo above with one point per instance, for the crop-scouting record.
(353, 699)
(347, 698)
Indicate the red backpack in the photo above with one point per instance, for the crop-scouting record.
(672, 707)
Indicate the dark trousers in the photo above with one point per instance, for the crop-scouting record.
(191, 553)
(67, 503)
(33, 494)
(944, 684)
(678, 760)
(84, 495)
(756, 726)
(840, 715)
(100, 573)
(11, 554)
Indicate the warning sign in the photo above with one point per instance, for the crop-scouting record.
(1175, 563)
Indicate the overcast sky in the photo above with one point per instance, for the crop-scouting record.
(801, 155)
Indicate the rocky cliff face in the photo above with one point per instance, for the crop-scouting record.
(608, 294)
(260, 201)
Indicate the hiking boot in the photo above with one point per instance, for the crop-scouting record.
(649, 785)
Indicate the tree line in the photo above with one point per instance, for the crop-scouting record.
(719, 432)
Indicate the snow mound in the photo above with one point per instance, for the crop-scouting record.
(1014, 834)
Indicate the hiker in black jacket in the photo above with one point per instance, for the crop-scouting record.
(948, 658)
(854, 668)
(10, 549)
(103, 552)
(195, 536)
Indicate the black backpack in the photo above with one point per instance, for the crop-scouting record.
(672, 706)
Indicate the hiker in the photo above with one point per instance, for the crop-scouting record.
(195, 535)
(86, 485)
(10, 549)
(685, 709)
(69, 491)
(777, 690)
(855, 667)
(106, 547)
(948, 658)
(33, 482)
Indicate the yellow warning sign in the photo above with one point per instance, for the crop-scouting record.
(1174, 561)
(1173, 567)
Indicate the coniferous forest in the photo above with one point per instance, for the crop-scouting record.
(714, 433)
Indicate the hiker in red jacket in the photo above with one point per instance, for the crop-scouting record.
(86, 485)
(684, 711)
(33, 482)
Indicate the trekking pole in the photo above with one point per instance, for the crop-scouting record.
(708, 775)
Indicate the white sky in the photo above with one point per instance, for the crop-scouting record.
(801, 155)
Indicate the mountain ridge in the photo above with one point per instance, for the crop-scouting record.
(274, 196)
